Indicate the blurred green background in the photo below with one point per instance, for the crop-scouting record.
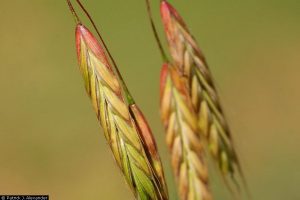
(50, 141)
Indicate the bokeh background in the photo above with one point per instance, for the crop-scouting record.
(50, 141)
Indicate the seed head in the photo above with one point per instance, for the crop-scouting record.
(124, 125)
(185, 145)
(192, 65)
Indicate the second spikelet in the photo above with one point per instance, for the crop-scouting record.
(184, 143)
(191, 63)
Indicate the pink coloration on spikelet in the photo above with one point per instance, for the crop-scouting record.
(124, 125)
(149, 143)
(163, 76)
(167, 10)
(177, 34)
(92, 48)
(191, 65)
(144, 128)
(82, 33)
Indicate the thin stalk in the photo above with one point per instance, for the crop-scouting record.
(75, 16)
(162, 52)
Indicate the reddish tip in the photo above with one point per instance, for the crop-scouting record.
(82, 33)
(164, 6)
(167, 9)
(145, 131)
(163, 76)
(165, 12)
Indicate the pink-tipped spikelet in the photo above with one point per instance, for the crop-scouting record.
(125, 128)
(191, 64)
(186, 148)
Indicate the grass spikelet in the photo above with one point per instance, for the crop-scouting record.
(191, 64)
(121, 129)
(125, 127)
(184, 143)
